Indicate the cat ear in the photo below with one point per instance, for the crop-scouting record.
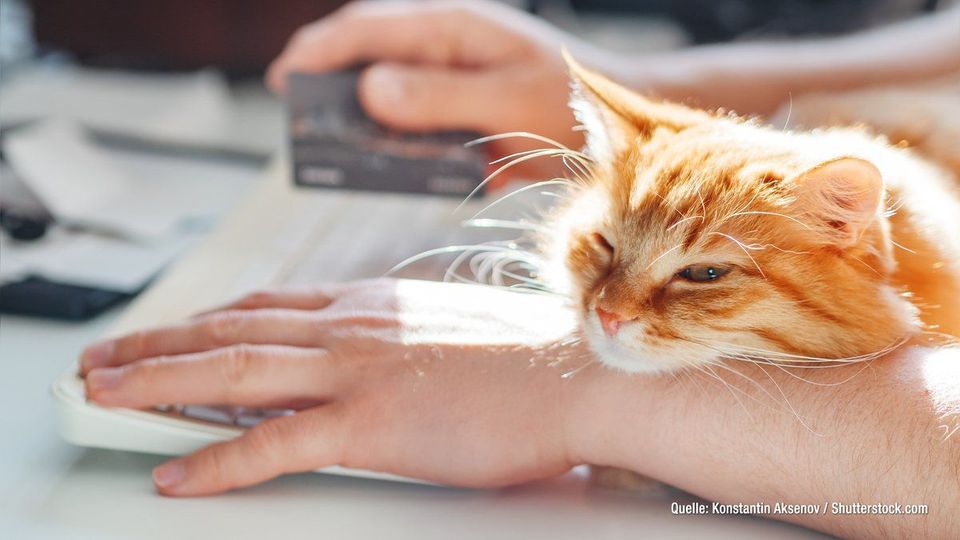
(615, 117)
(841, 197)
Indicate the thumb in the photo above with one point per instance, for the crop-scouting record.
(307, 440)
(426, 98)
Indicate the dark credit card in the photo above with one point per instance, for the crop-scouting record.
(336, 145)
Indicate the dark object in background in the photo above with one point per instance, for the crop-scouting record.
(240, 36)
(38, 297)
(21, 227)
(710, 21)
(336, 145)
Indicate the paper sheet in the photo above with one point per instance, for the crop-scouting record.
(193, 110)
(78, 258)
(80, 185)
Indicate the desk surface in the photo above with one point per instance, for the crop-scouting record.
(50, 489)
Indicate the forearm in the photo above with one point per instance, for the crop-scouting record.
(755, 78)
(882, 436)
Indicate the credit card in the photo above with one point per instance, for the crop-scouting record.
(336, 145)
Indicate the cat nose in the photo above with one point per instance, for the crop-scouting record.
(609, 321)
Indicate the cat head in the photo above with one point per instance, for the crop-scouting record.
(701, 236)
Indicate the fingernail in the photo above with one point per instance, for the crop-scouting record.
(97, 355)
(103, 378)
(388, 84)
(169, 474)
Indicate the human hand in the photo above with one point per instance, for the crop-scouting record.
(441, 65)
(407, 377)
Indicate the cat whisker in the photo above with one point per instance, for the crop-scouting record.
(672, 206)
(784, 368)
(577, 168)
(737, 242)
(779, 405)
(574, 371)
(908, 250)
(774, 214)
(566, 154)
(776, 402)
(551, 182)
(791, 360)
(789, 112)
(708, 370)
(664, 254)
(492, 268)
(944, 338)
(894, 208)
(485, 223)
(562, 153)
(684, 220)
(872, 269)
(532, 259)
(703, 204)
(743, 208)
(780, 249)
(504, 167)
(786, 401)
(526, 135)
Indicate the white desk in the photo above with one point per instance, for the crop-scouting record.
(49, 489)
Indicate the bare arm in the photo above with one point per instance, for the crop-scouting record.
(471, 386)
(758, 77)
(882, 433)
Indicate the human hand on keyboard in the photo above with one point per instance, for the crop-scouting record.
(455, 384)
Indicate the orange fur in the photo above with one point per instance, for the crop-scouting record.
(838, 245)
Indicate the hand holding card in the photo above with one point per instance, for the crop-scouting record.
(336, 145)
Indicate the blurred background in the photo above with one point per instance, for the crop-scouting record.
(128, 126)
(242, 36)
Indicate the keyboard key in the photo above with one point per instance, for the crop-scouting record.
(219, 415)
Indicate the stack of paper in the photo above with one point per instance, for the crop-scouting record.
(120, 213)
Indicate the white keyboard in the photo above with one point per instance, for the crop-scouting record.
(242, 417)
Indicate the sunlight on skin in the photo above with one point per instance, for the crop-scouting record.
(546, 319)
(941, 373)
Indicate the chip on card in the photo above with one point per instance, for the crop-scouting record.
(336, 145)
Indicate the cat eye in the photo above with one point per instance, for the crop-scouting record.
(602, 241)
(702, 273)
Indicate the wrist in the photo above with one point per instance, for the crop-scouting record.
(605, 415)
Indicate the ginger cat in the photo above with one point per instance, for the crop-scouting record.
(701, 236)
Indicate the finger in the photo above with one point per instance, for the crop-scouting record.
(428, 98)
(362, 33)
(305, 441)
(312, 298)
(464, 34)
(262, 326)
(247, 375)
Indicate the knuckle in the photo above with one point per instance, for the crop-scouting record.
(382, 90)
(142, 369)
(257, 298)
(301, 34)
(133, 345)
(305, 34)
(235, 366)
(352, 9)
(263, 441)
(222, 327)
